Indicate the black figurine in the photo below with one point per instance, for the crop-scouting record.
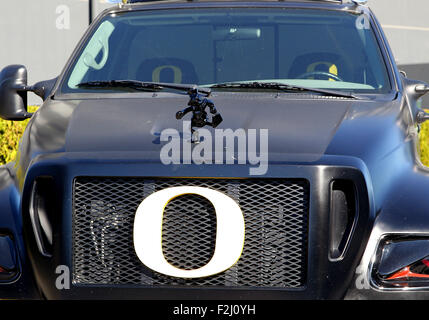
(197, 105)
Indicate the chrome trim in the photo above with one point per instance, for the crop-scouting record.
(372, 282)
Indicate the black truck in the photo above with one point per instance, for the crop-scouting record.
(218, 150)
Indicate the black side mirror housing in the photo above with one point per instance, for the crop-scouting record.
(414, 90)
(422, 89)
(43, 88)
(13, 93)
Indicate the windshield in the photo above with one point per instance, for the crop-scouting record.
(303, 47)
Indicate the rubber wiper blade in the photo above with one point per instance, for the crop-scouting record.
(282, 87)
(142, 85)
(137, 85)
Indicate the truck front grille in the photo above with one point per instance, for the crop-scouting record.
(275, 248)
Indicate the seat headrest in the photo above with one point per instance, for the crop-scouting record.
(317, 61)
(170, 70)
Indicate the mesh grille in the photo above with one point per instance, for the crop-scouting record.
(189, 231)
(275, 248)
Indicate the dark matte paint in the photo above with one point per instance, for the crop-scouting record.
(372, 141)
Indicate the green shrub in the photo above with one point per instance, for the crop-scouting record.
(10, 134)
(424, 144)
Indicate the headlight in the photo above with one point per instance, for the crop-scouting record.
(402, 263)
(8, 259)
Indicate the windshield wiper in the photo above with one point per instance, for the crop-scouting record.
(282, 87)
(197, 102)
(142, 85)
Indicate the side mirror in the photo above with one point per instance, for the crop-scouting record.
(43, 88)
(421, 90)
(422, 116)
(414, 90)
(13, 93)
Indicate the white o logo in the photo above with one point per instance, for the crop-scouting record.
(148, 232)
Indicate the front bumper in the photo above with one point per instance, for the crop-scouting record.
(327, 278)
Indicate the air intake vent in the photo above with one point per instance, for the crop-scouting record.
(342, 218)
(41, 213)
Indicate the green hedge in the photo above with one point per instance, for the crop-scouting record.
(424, 144)
(11, 132)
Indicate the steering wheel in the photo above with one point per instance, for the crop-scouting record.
(319, 73)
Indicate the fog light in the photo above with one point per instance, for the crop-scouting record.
(8, 259)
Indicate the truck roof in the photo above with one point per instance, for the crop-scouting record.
(352, 5)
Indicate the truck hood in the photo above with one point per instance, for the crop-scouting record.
(300, 127)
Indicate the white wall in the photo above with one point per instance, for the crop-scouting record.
(406, 24)
(41, 34)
